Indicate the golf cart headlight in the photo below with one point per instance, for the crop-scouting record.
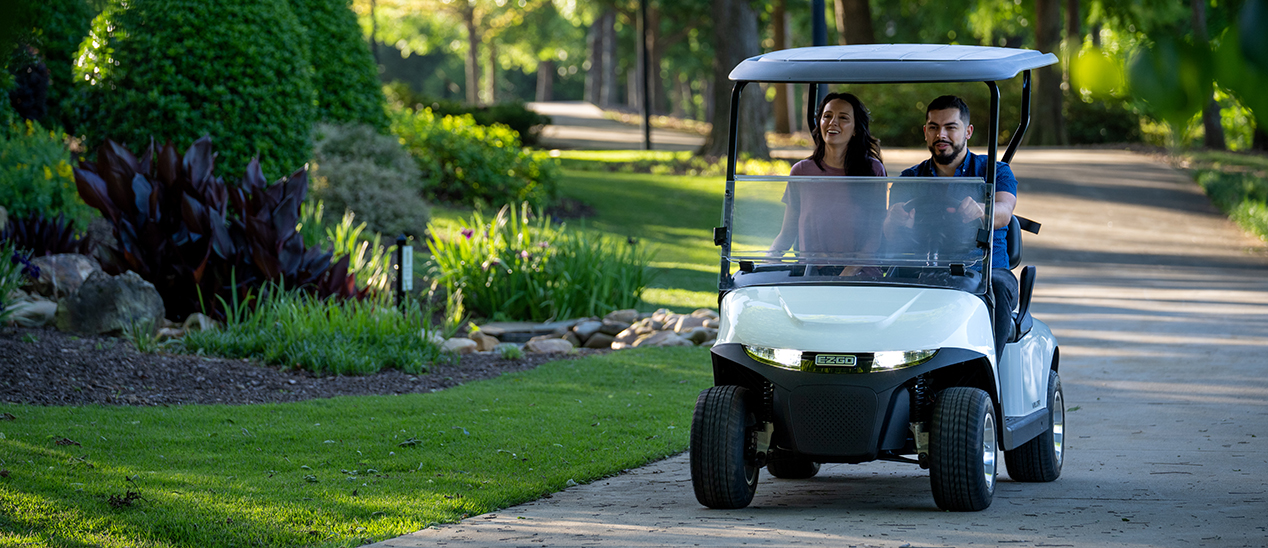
(889, 361)
(786, 358)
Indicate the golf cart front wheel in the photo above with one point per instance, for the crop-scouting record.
(722, 472)
(787, 465)
(962, 444)
(1040, 459)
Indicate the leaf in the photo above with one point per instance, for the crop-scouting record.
(92, 189)
(199, 162)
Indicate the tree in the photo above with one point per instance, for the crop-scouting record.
(1049, 124)
(854, 21)
(736, 38)
(343, 68)
(1213, 136)
(783, 107)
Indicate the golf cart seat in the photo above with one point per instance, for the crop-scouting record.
(1022, 319)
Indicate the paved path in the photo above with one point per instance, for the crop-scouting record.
(1161, 309)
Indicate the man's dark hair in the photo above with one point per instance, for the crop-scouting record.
(950, 101)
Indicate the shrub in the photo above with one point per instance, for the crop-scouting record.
(201, 242)
(1097, 121)
(35, 174)
(371, 175)
(518, 266)
(178, 69)
(46, 236)
(344, 72)
(328, 337)
(476, 165)
(60, 26)
(515, 115)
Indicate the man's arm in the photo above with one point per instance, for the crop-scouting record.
(1005, 202)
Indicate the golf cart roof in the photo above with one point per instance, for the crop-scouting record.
(878, 63)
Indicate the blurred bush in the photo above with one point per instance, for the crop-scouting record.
(343, 68)
(371, 175)
(515, 115)
(474, 165)
(1097, 121)
(36, 176)
(236, 70)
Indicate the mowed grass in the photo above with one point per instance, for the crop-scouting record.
(337, 472)
(1237, 183)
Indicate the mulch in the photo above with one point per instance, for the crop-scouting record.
(48, 367)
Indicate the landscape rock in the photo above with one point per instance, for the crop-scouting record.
(484, 342)
(32, 313)
(626, 337)
(707, 313)
(660, 314)
(701, 334)
(61, 275)
(107, 304)
(712, 324)
(459, 345)
(662, 338)
(572, 338)
(586, 328)
(548, 346)
(169, 333)
(626, 316)
(600, 340)
(612, 327)
(684, 324)
(434, 337)
(198, 322)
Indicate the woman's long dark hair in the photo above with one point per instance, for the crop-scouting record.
(862, 145)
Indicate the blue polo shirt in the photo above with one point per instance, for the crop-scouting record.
(975, 165)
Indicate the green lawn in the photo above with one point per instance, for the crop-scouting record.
(1237, 183)
(337, 472)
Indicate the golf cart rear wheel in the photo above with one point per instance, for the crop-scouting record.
(1040, 459)
(788, 465)
(722, 471)
(962, 443)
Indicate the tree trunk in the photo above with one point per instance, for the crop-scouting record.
(607, 94)
(473, 56)
(491, 75)
(1073, 35)
(545, 81)
(594, 62)
(1049, 127)
(1213, 137)
(656, 46)
(783, 92)
(1260, 140)
(854, 22)
(735, 38)
(374, 33)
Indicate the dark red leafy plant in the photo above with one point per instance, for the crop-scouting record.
(180, 227)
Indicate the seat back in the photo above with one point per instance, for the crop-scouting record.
(1015, 226)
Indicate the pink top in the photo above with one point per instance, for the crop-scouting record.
(836, 218)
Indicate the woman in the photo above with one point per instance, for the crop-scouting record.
(836, 219)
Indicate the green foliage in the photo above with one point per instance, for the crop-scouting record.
(479, 166)
(344, 72)
(368, 260)
(1100, 121)
(515, 115)
(46, 235)
(61, 26)
(236, 70)
(328, 337)
(1238, 185)
(35, 174)
(384, 466)
(371, 175)
(1173, 78)
(518, 266)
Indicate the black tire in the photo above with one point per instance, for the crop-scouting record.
(962, 450)
(1040, 459)
(722, 473)
(788, 465)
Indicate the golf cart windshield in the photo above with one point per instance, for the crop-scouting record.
(873, 230)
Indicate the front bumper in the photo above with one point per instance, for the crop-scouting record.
(834, 417)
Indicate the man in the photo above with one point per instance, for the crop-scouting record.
(947, 131)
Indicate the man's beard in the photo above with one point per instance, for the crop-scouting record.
(950, 156)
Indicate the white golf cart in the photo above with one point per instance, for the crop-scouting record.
(881, 353)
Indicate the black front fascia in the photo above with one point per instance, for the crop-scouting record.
(835, 417)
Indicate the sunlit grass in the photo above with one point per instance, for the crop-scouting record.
(337, 472)
(1237, 184)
